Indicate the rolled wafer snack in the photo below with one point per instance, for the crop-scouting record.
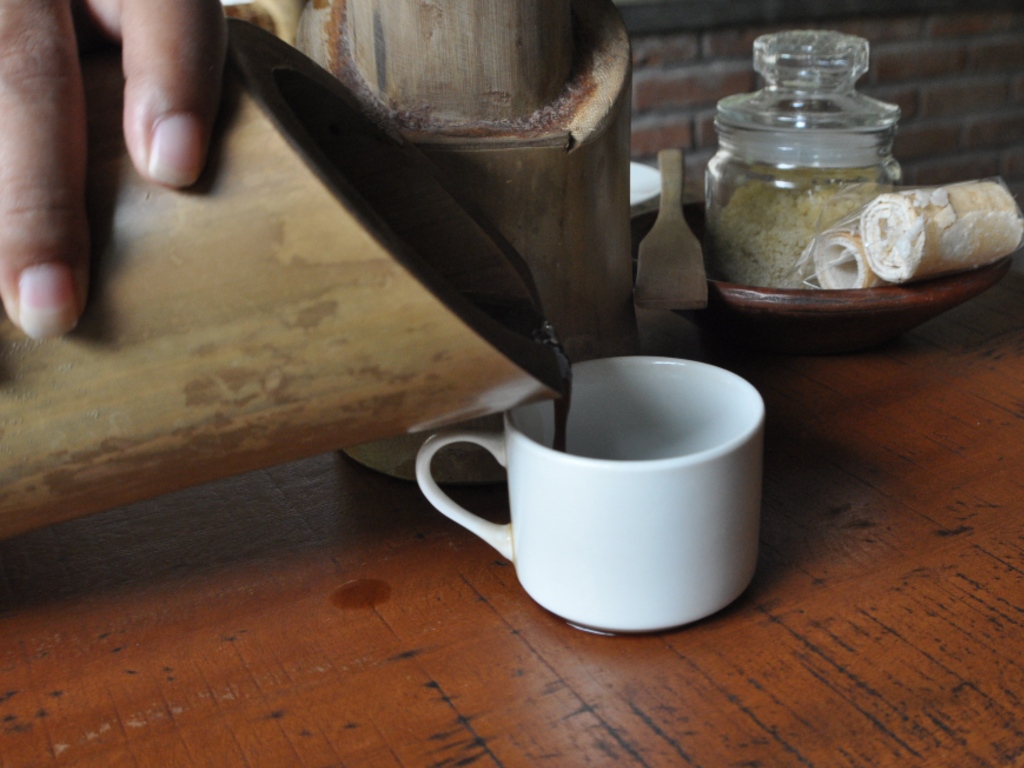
(840, 261)
(916, 233)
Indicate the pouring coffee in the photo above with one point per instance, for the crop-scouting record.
(650, 518)
(298, 299)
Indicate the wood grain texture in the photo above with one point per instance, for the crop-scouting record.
(462, 60)
(287, 305)
(318, 614)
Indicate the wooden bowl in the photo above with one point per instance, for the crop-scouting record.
(823, 322)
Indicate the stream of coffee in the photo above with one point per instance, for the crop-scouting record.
(545, 333)
(562, 406)
(524, 319)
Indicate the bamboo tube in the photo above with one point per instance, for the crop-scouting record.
(463, 59)
(295, 301)
(278, 16)
(555, 182)
(548, 166)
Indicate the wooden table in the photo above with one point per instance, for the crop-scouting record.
(318, 614)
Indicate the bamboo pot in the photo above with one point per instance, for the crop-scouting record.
(525, 104)
(319, 287)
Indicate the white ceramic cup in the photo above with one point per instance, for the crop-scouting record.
(650, 519)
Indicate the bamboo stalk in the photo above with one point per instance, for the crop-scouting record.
(462, 59)
(284, 307)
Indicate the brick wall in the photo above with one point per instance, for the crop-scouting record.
(958, 78)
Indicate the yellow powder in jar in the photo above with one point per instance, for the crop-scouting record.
(758, 236)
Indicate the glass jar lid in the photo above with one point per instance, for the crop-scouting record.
(810, 78)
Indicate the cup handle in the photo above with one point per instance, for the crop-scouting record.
(498, 536)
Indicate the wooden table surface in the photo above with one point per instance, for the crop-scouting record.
(319, 614)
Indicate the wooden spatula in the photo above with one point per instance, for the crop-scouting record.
(670, 263)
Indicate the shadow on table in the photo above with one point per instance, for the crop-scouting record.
(304, 506)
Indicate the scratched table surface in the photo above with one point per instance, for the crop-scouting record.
(319, 614)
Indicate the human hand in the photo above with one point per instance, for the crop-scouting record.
(172, 55)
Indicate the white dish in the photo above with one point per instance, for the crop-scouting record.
(644, 183)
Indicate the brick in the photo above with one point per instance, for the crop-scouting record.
(696, 163)
(735, 42)
(960, 97)
(694, 86)
(1011, 165)
(665, 50)
(1017, 190)
(970, 24)
(895, 62)
(1003, 53)
(650, 135)
(877, 30)
(704, 134)
(739, 42)
(951, 168)
(922, 140)
(1003, 129)
(728, 43)
(907, 98)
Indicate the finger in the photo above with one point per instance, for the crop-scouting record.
(173, 55)
(43, 230)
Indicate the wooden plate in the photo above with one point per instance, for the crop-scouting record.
(822, 322)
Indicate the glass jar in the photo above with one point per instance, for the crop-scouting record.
(794, 157)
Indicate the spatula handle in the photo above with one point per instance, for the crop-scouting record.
(670, 163)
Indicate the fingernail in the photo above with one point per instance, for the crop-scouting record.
(175, 154)
(46, 300)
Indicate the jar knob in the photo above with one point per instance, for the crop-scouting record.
(810, 60)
